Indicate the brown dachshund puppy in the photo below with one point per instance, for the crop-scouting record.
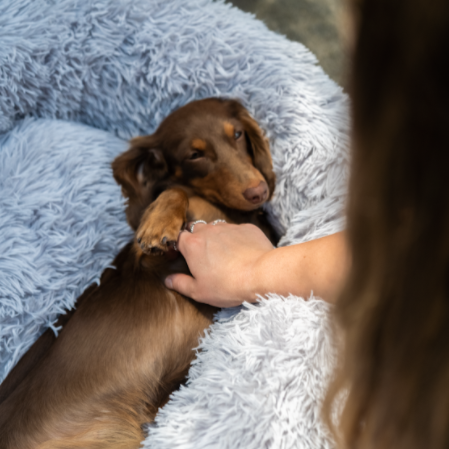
(130, 341)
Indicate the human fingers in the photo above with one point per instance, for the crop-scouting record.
(182, 283)
(188, 242)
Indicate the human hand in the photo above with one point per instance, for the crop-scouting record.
(222, 259)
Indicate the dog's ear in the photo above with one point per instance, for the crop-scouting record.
(260, 148)
(141, 165)
(137, 171)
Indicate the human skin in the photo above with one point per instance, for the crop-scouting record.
(231, 264)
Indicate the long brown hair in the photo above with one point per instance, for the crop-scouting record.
(394, 310)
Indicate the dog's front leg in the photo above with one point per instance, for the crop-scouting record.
(162, 221)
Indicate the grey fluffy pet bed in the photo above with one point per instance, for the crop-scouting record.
(117, 68)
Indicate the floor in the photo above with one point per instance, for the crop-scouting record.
(311, 22)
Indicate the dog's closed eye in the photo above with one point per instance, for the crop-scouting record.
(196, 154)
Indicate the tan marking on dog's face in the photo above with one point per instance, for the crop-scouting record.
(178, 171)
(199, 144)
(228, 129)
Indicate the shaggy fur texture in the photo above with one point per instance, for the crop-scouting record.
(257, 383)
(61, 219)
(122, 66)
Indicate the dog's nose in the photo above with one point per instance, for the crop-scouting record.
(257, 194)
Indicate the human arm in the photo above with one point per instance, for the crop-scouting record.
(234, 263)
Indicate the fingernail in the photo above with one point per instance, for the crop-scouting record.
(168, 282)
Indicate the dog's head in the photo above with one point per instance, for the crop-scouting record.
(212, 146)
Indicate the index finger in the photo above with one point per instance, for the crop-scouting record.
(183, 239)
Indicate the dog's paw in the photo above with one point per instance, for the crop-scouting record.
(157, 235)
(162, 222)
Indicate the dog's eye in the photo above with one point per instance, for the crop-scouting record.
(195, 155)
(237, 134)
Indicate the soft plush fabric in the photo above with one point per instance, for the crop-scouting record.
(257, 383)
(61, 221)
(121, 66)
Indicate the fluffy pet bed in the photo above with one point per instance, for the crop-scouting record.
(117, 68)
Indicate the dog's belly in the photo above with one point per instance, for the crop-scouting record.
(115, 363)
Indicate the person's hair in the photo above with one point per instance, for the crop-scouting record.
(394, 310)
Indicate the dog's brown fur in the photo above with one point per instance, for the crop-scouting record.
(130, 341)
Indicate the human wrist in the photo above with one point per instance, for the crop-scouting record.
(257, 277)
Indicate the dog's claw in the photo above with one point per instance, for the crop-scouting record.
(158, 237)
(155, 251)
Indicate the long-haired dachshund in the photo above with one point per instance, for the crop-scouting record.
(130, 341)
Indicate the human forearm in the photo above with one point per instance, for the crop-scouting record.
(319, 265)
(234, 263)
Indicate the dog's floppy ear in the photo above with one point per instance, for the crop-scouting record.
(260, 148)
(137, 171)
(141, 165)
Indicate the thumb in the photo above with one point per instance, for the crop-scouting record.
(182, 283)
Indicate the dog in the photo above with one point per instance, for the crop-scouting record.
(130, 341)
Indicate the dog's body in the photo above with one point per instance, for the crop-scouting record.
(130, 342)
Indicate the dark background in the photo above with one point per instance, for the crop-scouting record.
(311, 22)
